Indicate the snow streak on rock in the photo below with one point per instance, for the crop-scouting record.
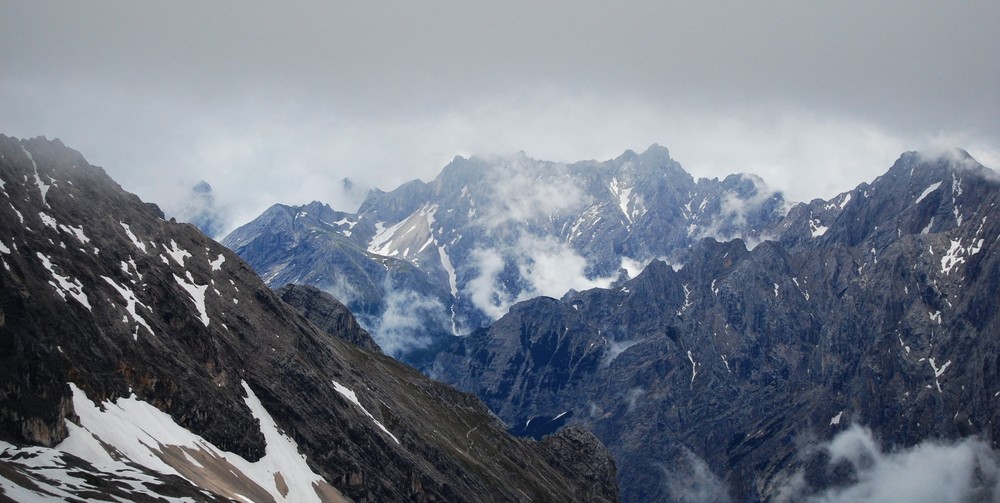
(353, 398)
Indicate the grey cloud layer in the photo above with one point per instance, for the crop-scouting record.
(279, 103)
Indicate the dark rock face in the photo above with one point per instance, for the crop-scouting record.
(482, 233)
(327, 313)
(578, 453)
(876, 308)
(100, 292)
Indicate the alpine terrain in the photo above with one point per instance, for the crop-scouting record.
(142, 361)
(836, 350)
(778, 371)
(430, 260)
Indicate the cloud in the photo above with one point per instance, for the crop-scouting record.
(486, 294)
(735, 209)
(200, 209)
(344, 291)
(527, 190)
(545, 266)
(690, 480)
(932, 471)
(634, 267)
(408, 322)
(632, 397)
(616, 348)
(816, 100)
(256, 150)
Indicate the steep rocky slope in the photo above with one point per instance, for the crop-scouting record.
(876, 308)
(139, 358)
(327, 313)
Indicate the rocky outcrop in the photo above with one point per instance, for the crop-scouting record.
(328, 314)
(576, 452)
(113, 317)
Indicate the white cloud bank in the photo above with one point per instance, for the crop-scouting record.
(547, 266)
(933, 471)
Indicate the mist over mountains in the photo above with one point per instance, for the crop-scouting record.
(457, 252)
(659, 337)
(869, 322)
(764, 353)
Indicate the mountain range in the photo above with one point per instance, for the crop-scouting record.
(767, 351)
(871, 317)
(142, 361)
(722, 343)
(430, 260)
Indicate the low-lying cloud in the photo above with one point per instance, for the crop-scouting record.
(933, 471)
(546, 267)
(690, 480)
(408, 322)
(735, 211)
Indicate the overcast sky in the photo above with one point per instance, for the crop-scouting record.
(278, 103)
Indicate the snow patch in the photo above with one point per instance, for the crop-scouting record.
(76, 232)
(48, 220)
(146, 435)
(625, 200)
(381, 242)
(43, 188)
(927, 191)
(65, 285)
(955, 254)
(694, 366)
(927, 230)
(450, 269)
(130, 303)
(217, 263)
(835, 420)
(20, 217)
(816, 228)
(177, 253)
(938, 371)
(138, 244)
(687, 300)
(197, 293)
(349, 395)
(847, 199)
